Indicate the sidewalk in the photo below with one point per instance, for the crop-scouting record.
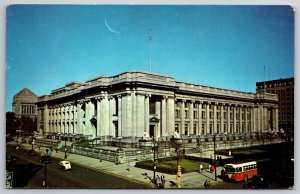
(193, 180)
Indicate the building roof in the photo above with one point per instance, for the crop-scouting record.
(276, 81)
(25, 95)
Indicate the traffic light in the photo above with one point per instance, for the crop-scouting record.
(179, 170)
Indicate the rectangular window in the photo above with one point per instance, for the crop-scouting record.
(211, 115)
(195, 114)
(203, 114)
(186, 128)
(218, 115)
(186, 114)
(195, 129)
(177, 113)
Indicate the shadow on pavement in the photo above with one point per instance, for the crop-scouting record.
(22, 173)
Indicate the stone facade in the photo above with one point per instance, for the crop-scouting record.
(24, 104)
(140, 105)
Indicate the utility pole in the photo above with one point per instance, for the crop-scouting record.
(65, 148)
(215, 158)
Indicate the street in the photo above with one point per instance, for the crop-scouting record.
(29, 173)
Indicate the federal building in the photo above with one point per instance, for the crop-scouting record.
(140, 105)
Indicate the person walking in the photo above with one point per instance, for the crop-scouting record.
(206, 184)
(200, 168)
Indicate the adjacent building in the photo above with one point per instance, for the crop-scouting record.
(24, 104)
(137, 105)
(284, 88)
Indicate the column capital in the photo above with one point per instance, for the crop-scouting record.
(147, 95)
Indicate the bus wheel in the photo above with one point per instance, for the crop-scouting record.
(246, 178)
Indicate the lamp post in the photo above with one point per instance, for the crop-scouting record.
(18, 133)
(65, 147)
(154, 149)
(119, 138)
(215, 157)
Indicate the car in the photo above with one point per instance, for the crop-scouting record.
(31, 153)
(64, 164)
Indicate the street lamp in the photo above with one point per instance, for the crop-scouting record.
(215, 157)
(65, 146)
(119, 138)
(154, 149)
(17, 146)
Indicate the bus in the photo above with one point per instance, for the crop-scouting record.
(239, 171)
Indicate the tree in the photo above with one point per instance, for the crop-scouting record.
(12, 123)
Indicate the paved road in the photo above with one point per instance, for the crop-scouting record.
(29, 173)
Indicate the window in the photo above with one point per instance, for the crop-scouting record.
(195, 129)
(152, 108)
(195, 114)
(203, 114)
(177, 113)
(186, 128)
(186, 114)
(218, 115)
(210, 115)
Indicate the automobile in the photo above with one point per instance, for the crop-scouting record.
(64, 164)
(31, 153)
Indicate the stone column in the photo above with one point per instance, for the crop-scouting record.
(200, 118)
(191, 117)
(79, 118)
(207, 118)
(111, 114)
(128, 113)
(246, 119)
(147, 114)
(104, 112)
(140, 109)
(276, 119)
(234, 119)
(46, 118)
(215, 118)
(99, 123)
(241, 119)
(252, 109)
(259, 118)
(222, 117)
(157, 132)
(228, 119)
(170, 116)
(164, 116)
(119, 115)
(182, 118)
(133, 113)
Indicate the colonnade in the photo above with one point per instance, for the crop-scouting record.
(127, 114)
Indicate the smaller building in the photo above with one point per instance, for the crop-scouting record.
(284, 88)
(24, 104)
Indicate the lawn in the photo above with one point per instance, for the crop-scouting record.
(188, 165)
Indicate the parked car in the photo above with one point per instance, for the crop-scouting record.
(64, 164)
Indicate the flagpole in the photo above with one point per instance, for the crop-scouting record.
(150, 40)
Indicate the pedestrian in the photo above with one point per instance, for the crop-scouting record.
(200, 168)
(162, 178)
(209, 168)
(212, 168)
(206, 184)
(158, 181)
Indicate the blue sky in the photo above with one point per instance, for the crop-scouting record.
(227, 47)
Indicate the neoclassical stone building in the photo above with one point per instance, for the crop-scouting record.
(24, 104)
(137, 105)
